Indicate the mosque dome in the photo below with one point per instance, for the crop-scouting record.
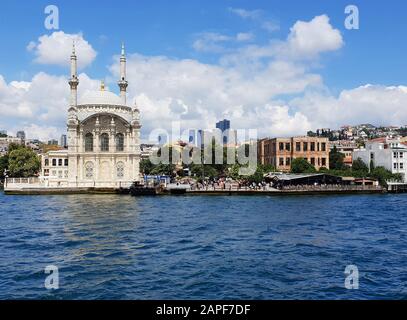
(101, 97)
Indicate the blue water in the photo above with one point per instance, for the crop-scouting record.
(203, 247)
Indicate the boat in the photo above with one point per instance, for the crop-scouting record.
(138, 189)
(177, 188)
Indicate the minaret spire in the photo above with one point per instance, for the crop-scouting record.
(73, 81)
(123, 82)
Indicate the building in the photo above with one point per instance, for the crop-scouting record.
(147, 150)
(103, 135)
(346, 148)
(280, 181)
(103, 140)
(389, 153)
(192, 136)
(53, 142)
(5, 143)
(223, 125)
(3, 132)
(201, 138)
(21, 135)
(229, 136)
(54, 166)
(63, 142)
(279, 152)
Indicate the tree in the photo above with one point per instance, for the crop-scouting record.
(163, 169)
(146, 166)
(3, 165)
(257, 177)
(336, 159)
(359, 165)
(200, 170)
(267, 168)
(300, 165)
(23, 162)
(383, 175)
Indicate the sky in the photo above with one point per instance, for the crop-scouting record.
(281, 67)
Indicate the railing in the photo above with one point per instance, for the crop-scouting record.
(33, 180)
(288, 188)
(230, 188)
(332, 188)
(11, 183)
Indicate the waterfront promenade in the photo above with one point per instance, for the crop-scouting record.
(290, 190)
(209, 190)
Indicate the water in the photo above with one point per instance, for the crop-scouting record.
(203, 247)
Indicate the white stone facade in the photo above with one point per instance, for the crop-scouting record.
(385, 152)
(103, 139)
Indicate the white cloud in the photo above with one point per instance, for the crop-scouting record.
(209, 42)
(308, 39)
(216, 43)
(246, 14)
(250, 87)
(270, 26)
(258, 16)
(379, 105)
(205, 93)
(40, 103)
(57, 48)
(43, 133)
(244, 36)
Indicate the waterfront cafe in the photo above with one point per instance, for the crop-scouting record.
(283, 180)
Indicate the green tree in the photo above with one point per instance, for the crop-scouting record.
(267, 168)
(163, 169)
(336, 159)
(257, 177)
(359, 165)
(23, 162)
(383, 175)
(301, 165)
(3, 165)
(146, 166)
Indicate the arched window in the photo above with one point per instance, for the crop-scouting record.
(120, 142)
(104, 142)
(89, 142)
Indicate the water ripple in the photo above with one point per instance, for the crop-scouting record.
(119, 247)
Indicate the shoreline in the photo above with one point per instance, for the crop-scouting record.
(72, 191)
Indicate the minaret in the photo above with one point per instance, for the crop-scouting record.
(122, 82)
(74, 81)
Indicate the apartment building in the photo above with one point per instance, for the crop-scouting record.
(389, 153)
(280, 152)
(346, 148)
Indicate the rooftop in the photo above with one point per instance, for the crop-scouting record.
(101, 97)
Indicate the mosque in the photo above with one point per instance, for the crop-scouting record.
(103, 139)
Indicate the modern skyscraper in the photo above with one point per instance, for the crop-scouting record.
(63, 141)
(21, 135)
(223, 125)
(192, 136)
